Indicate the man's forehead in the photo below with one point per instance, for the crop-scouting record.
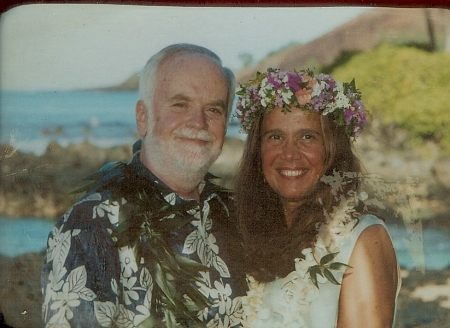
(178, 63)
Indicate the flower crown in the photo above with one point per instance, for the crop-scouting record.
(320, 93)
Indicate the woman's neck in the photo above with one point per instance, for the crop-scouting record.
(290, 210)
(291, 207)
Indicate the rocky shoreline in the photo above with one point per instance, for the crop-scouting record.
(40, 187)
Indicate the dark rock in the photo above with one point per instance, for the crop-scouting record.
(41, 186)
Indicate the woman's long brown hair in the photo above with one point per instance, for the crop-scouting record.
(270, 246)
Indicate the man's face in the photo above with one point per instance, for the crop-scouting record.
(187, 123)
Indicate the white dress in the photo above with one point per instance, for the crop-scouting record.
(279, 302)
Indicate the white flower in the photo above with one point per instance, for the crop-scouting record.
(222, 295)
(127, 261)
(302, 265)
(55, 278)
(341, 101)
(129, 290)
(318, 87)
(339, 87)
(65, 300)
(111, 209)
(252, 303)
(285, 78)
(286, 96)
(264, 86)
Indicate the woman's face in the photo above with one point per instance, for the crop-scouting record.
(292, 151)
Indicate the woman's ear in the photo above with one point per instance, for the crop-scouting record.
(141, 118)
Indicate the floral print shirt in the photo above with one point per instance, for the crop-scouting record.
(87, 281)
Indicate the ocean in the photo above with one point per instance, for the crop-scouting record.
(24, 235)
(30, 120)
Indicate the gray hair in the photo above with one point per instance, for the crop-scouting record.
(147, 80)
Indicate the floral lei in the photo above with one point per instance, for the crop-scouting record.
(320, 93)
(315, 267)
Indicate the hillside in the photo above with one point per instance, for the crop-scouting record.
(394, 25)
(363, 33)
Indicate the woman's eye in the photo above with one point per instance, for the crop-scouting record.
(274, 137)
(307, 137)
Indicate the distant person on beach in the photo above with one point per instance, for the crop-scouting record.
(152, 242)
(316, 255)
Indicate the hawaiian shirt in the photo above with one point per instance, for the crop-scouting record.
(88, 281)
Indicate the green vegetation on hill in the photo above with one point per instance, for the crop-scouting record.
(405, 87)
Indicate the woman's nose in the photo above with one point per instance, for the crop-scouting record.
(290, 150)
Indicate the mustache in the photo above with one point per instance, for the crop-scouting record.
(190, 133)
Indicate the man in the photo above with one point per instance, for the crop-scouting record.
(113, 260)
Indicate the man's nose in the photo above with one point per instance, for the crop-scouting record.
(197, 119)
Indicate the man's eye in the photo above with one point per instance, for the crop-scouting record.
(216, 110)
(307, 137)
(179, 104)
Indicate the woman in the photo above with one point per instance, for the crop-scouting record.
(315, 256)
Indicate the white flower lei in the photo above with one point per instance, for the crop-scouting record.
(300, 287)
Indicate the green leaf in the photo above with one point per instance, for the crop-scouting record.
(192, 306)
(330, 276)
(328, 258)
(171, 321)
(191, 263)
(353, 85)
(166, 287)
(149, 322)
(313, 271)
(173, 224)
(338, 266)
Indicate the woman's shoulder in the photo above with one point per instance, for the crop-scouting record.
(367, 223)
(373, 234)
(368, 219)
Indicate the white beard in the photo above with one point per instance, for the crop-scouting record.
(187, 163)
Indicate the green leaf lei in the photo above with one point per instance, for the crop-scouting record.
(144, 223)
(324, 267)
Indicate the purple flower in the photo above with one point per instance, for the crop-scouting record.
(293, 81)
(274, 80)
(348, 115)
(278, 101)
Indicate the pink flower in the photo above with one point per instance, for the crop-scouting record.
(304, 95)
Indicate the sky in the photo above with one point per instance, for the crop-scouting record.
(78, 46)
